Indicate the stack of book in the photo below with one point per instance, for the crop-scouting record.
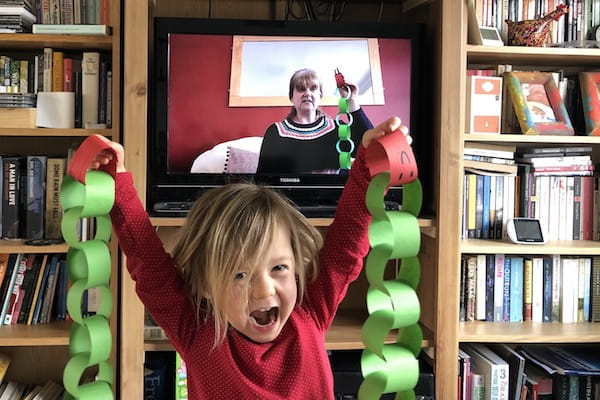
(489, 186)
(16, 16)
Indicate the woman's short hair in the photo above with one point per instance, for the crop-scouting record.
(228, 229)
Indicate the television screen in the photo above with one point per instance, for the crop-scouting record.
(224, 109)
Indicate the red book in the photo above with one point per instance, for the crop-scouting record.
(587, 207)
(68, 74)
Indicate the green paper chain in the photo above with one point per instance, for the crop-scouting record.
(344, 133)
(392, 304)
(89, 266)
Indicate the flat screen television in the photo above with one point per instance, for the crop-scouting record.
(217, 85)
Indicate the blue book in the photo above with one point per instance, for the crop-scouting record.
(485, 219)
(516, 289)
(506, 292)
(547, 285)
(587, 281)
(564, 360)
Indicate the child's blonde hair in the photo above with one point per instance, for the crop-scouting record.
(227, 230)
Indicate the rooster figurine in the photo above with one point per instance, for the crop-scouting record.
(534, 32)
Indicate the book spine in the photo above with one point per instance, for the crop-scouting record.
(506, 290)
(58, 74)
(489, 294)
(36, 199)
(47, 71)
(10, 197)
(90, 87)
(53, 215)
(516, 289)
(499, 288)
(595, 290)
(68, 74)
(537, 289)
(470, 299)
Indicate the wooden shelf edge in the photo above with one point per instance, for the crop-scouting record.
(562, 247)
(533, 139)
(528, 332)
(50, 132)
(425, 222)
(18, 246)
(53, 334)
(344, 334)
(39, 41)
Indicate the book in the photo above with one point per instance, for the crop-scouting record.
(14, 295)
(490, 166)
(499, 288)
(493, 368)
(563, 360)
(5, 360)
(90, 80)
(516, 289)
(72, 29)
(58, 73)
(483, 104)
(516, 367)
(55, 170)
(490, 150)
(36, 289)
(34, 263)
(11, 192)
(595, 290)
(36, 197)
(181, 392)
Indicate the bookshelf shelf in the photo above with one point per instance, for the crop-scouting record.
(528, 332)
(562, 247)
(30, 41)
(532, 55)
(345, 334)
(18, 246)
(319, 222)
(52, 334)
(48, 132)
(533, 139)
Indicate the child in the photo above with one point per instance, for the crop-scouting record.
(241, 301)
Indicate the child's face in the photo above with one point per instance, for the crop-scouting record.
(272, 292)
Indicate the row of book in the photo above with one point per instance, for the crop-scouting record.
(13, 390)
(87, 74)
(514, 288)
(30, 205)
(577, 25)
(33, 288)
(542, 372)
(552, 184)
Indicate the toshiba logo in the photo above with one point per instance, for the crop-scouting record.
(289, 180)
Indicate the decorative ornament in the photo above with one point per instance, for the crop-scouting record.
(88, 194)
(392, 304)
(534, 32)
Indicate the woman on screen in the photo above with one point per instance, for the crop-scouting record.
(305, 141)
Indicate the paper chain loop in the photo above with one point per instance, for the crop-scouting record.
(344, 134)
(392, 304)
(88, 194)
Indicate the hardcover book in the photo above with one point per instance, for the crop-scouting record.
(484, 104)
(36, 197)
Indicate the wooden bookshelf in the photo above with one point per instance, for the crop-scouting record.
(528, 332)
(55, 333)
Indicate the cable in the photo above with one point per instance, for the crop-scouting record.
(380, 11)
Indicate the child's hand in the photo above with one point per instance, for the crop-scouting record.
(386, 127)
(105, 156)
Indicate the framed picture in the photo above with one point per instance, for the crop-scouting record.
(538, 105)
(590, 97)
(261, 68)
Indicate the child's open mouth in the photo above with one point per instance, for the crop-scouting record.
(265, 316)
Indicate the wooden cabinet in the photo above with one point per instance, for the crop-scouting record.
(468, 56)
(40, 352)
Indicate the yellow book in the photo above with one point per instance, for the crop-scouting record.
(58, 76)
(4, 363)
